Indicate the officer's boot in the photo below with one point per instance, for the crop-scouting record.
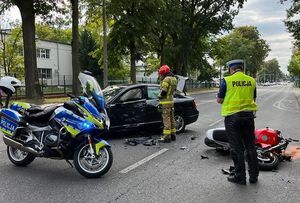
(173, 137)
(165, 139)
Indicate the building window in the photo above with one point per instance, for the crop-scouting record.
(45, 73)
(43, 53)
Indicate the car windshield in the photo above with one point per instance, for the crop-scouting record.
(111, 91)
(89, 83)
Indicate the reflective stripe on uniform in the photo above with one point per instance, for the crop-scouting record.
(166, 102)
(173, 130)
(167, 132)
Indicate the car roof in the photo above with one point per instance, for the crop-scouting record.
(131, 85)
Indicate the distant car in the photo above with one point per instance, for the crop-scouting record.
(134, 107)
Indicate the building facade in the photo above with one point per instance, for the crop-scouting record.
(54, 62)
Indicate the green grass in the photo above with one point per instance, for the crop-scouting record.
(46, 100)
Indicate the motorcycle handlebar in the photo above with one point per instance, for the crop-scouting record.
(292, 140)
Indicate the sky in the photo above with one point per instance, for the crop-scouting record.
(267, 16)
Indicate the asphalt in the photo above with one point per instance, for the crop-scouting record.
(201, 91)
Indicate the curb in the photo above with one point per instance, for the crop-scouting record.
(297, 95)
(201, 92)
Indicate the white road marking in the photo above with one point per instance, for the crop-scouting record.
(214, 123)
(148, 158)
(280, 105)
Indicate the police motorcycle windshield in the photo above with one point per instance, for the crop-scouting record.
(91, 88)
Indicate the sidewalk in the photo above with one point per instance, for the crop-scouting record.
(202, 91)
(297, 94)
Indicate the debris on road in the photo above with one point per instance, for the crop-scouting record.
(183, 148)
(204, 157)
(193, 138)
(147, 141)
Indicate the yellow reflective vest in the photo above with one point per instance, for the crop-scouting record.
(168, 84)
(239, 94)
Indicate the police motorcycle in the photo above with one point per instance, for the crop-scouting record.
(70, 131)
(270, 145)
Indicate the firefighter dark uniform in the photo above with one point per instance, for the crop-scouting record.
(167, 89)
(237, 95)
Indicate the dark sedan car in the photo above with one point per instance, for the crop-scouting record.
(134, 107)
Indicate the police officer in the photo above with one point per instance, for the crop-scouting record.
(167, 89)
(237, 95)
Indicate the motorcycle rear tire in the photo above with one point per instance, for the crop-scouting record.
(21, 161)
(82, 164)
(268, 161)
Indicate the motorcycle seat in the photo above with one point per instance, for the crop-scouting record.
(40, 116)
(220, 135)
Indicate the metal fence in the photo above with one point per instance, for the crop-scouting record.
(62, 85)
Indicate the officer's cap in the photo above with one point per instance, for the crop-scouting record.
(236, 62)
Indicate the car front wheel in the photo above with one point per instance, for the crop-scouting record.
(180, 123)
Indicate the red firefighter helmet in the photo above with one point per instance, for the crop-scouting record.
(164, 70)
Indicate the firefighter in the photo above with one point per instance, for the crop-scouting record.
(167, 88)
(237, 95)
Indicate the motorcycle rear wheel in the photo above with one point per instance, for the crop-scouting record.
(19, 157)
(267, 161)
(92, 167)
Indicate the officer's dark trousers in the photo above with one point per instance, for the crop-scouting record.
(240, 132)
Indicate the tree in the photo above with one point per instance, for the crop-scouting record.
(11, 53)
(29, 9)
(242, 43)
(292, 22)
(294, 65)
(187, 24)
(270, 71)
(86, 49)
(132, 23)
(75, 48)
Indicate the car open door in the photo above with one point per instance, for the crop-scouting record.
(128, 110)
(153, 116)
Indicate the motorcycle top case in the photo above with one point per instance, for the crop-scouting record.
(10, 120)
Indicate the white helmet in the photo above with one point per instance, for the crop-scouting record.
(9, 84)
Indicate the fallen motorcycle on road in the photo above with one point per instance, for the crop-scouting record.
(270, 145)
(71, 131)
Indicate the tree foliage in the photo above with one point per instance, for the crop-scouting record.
(242, 43)
(29, 9)
(11, 53)
(47, 32)
(270, 71)
(184, 25)
(292, 21)
(132, 20)
(294, 64)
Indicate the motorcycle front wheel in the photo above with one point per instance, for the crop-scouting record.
(92, 166)
(267, 161)
(19, 157)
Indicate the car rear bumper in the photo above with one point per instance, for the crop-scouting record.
(192, 118)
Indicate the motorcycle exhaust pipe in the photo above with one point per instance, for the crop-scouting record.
(12, 143)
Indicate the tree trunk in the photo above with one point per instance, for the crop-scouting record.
(179, 64)
(132, 63)
(75, 48)
(3, 35)
(33, 89)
